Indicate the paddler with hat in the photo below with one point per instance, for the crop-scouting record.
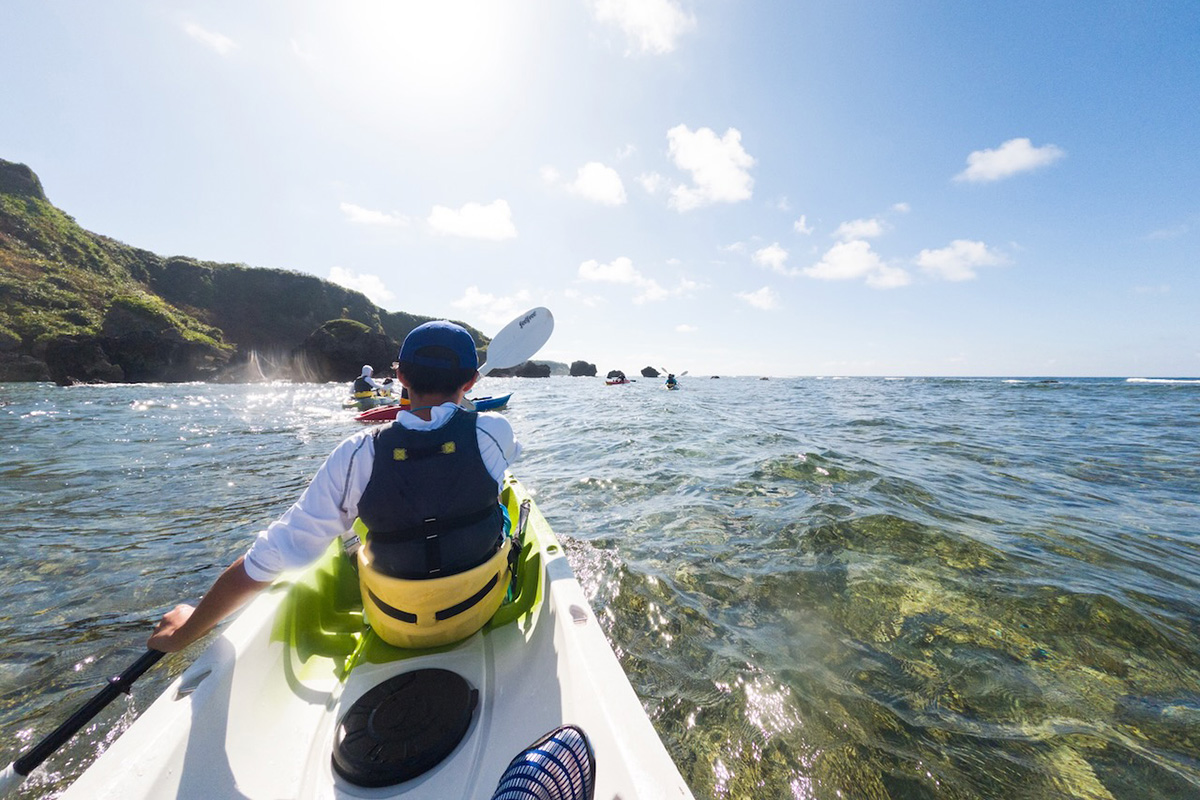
(422, 495)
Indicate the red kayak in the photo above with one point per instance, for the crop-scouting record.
(388, 413)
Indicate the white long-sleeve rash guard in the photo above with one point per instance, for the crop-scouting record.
(329, 505)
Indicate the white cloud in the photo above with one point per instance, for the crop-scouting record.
(365, 216)
(549, 175)
(652, 182)
(774, 258)
(600, 184)
(474, 221)
(491, 309)
(370, 285)
(719, 167)
(801, 226)
(622, 272)
(901, 208)
(855, 260)
(1168, 233)
(589, 300)
(219, 42)
(764, 298)
(1015, 155)
(652, 26)
(958, 261)
(686, 328)
(860, 229)
(888, 277)
(626, 151)
(782, 204)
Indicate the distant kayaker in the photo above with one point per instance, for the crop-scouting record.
(671, 382)
(365, 385)
(422, 493)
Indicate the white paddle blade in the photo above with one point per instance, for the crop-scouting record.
(519, 340)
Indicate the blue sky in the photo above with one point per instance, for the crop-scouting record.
(780, 188)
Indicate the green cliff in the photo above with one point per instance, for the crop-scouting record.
(78, 306)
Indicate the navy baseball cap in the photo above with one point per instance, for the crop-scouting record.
(452, 346)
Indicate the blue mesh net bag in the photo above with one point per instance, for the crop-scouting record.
(559, 766)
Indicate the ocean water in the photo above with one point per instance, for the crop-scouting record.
(820, 588)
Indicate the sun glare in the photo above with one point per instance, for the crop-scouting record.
(438, 53)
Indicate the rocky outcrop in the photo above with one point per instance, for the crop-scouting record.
(20, 180)
(18, 366)
(337, 351)
(582, 369)
(78, 306)
(529, 369)
(80, 359)
(649, 372)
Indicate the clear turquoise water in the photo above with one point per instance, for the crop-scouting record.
(872, 588)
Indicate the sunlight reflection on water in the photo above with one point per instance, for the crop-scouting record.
(819, 588)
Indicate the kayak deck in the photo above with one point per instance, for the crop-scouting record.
(255, 716)
(390, 412)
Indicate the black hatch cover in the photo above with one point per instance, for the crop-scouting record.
(403, 727)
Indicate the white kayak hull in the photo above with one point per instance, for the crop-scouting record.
(255, 716)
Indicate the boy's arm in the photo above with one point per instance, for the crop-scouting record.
(497, 444)
(323, 512)
(183, 624)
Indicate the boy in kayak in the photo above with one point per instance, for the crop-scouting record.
(422, 491)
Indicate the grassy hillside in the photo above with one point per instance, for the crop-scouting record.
(78, 305)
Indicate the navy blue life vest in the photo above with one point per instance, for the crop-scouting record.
(431, 507)
(362, 388)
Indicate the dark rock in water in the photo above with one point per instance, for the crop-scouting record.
(582, 369)
(532, 369)
(764, 378)
(649, 372)
(715, 377)
(615, 375)
(22, 367)
(529, 369)
(337, 350)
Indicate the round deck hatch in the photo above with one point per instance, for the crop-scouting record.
(403, 727)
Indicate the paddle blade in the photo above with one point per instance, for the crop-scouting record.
(519, 340)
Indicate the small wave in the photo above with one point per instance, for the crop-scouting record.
(1163, 380)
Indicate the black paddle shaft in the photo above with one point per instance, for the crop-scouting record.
(116, 686)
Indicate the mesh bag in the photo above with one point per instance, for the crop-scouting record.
(559, 766)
